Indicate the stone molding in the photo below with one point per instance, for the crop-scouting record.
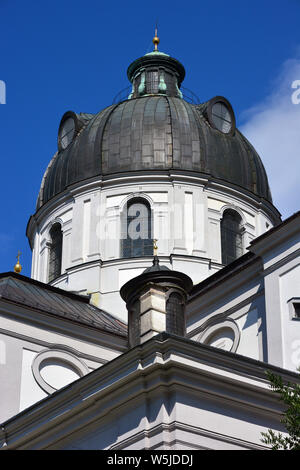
(205, 371)
(65, 357)
(216, 327)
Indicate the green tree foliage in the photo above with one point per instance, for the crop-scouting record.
(290, 395)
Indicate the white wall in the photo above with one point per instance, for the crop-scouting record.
(186, 222)
(40, 353)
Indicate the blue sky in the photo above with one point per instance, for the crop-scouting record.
(73, 55)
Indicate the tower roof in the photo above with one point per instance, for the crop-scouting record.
(155, 129)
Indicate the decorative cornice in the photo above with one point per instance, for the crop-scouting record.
(128, 179)
(276, 235)
(63, 325)
(166, 361)
(248, 264)
(179, 426)
(220, 317)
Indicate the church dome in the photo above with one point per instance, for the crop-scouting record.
(155, 130)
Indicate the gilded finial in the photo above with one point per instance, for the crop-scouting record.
(155, 39)
(155, 247)
(18, 267)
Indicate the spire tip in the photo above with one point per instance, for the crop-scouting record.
(155, 39)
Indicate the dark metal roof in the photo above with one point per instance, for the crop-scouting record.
(156, 60)
(156, 131)
(160, 275)
(155, 266)
(25, 291)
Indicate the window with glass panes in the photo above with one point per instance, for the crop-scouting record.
(136, 237)
(55, 254)
(231, 236)
(152, 81)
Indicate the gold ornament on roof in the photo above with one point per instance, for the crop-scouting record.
(155, 247)
(155, 39)
(18, 267)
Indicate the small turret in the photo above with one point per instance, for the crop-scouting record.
(155, 302)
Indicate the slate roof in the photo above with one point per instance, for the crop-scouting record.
(25, 291)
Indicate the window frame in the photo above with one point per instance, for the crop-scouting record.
(226, 258)
(224, 102)
(124, 228)
(292, 311)
(53, 245)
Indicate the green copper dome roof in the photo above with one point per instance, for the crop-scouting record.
(156, 53)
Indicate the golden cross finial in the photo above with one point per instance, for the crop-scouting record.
(155, 39)
(155, 247)
(18, 267)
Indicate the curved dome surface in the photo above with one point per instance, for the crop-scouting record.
(154, 132)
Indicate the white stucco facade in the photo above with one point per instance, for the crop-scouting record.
(169, 394)
(252, 309)
(40, 354)
(186, 212)
(189, 371)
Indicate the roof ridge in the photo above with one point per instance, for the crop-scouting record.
(21, 290)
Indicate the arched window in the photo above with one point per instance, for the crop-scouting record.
(231, 236)
(55, 254)
(136, 236)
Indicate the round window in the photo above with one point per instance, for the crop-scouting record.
(67, 130)
(221, 115)
(67, 133)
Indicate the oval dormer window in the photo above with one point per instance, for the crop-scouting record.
(67, 130)
(221, 116)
